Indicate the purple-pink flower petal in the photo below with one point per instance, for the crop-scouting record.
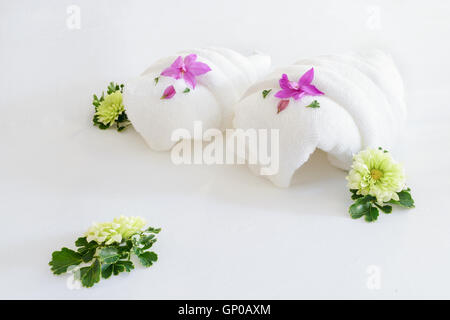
(306, 78)
(285, 93)
(169, 93)
(298, 95)
(175, 69)
(172, 72)
(311, 90)
(189, 78)
(178, 63)
(284, 82)
(190, 59)
(198, 68)
(282, 105)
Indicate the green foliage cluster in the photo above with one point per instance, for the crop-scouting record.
(105, 260)
(367, 207)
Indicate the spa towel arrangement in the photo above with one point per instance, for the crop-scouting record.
(350, 105)
(341, 105)
(199, 84)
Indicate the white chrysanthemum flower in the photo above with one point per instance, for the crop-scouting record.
(375, 173)
(114, 232)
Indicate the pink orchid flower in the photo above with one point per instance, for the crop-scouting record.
(187, 69)
(169, 93)
(297, 90)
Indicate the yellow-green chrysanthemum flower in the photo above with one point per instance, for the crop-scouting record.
(110, 108)
(105, 232)
(375, 173)
(113, 232)
(129, 225)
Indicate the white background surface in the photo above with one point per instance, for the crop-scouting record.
(227, 233)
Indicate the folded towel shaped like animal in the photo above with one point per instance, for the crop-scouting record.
(211, 101)
(362, 106)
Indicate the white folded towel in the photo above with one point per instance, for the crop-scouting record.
(363, 106)
(211, 101)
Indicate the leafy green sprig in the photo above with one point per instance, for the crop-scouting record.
(105, 260)
(367, 206)
(122, 121)
(266, 92)
(315, 104)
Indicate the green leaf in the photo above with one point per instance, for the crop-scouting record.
(147, 242)
(147, 258)
(153, 230)
(109, 255)
(86, 249)
(96, 102)
(124, 250)
(122, 117)
(143, 241)
(63, 259)
(265, 93)
(87, 255)
(156, 80)
(100, 124)
(120, 129)
(122, 122)
(360, 208)
(355, 196)
(405, 199)
(129, 244)
(81, 242)
(186, 90)
(128, 265)
(107, 270)
(364, 207)
(112, 88)
(137, 249)
(90, 275)
(372, 214)
(116, 268)
(147, 237)
(313, 104)
(385, 209)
